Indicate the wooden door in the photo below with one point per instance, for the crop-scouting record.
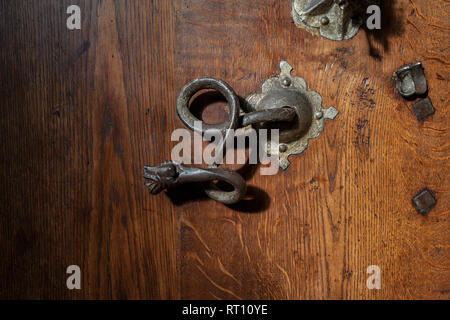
(84, 110)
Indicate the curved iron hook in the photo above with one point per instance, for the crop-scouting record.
(169, 174)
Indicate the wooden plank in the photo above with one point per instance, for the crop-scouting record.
(82, 112)
(345, 204)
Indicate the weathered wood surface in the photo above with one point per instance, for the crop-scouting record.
(84, 111)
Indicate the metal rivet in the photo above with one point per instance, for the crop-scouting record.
(319, 115)
(286, 82)
(324, 21)
(283, 148)
(424, 201)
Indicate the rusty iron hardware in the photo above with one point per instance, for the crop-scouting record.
(170, 174)
(331, 19)
(285, 103)
(287, 90)
(423, 109)
(236, 119)
(411, 80)
(424, 201)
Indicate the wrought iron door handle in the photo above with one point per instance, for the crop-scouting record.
(285, 103)
(170, 174)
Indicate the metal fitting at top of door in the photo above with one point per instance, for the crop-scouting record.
(331, 19)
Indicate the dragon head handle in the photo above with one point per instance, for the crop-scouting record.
(161, 177)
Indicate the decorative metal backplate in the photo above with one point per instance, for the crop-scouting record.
(332, 19)
(287, 90)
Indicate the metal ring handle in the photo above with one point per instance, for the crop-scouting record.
(211, 174)
(195, 86)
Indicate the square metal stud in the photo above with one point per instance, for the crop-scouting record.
(424, 201)
(423, 109)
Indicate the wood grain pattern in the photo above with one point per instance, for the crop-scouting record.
(83, 112)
